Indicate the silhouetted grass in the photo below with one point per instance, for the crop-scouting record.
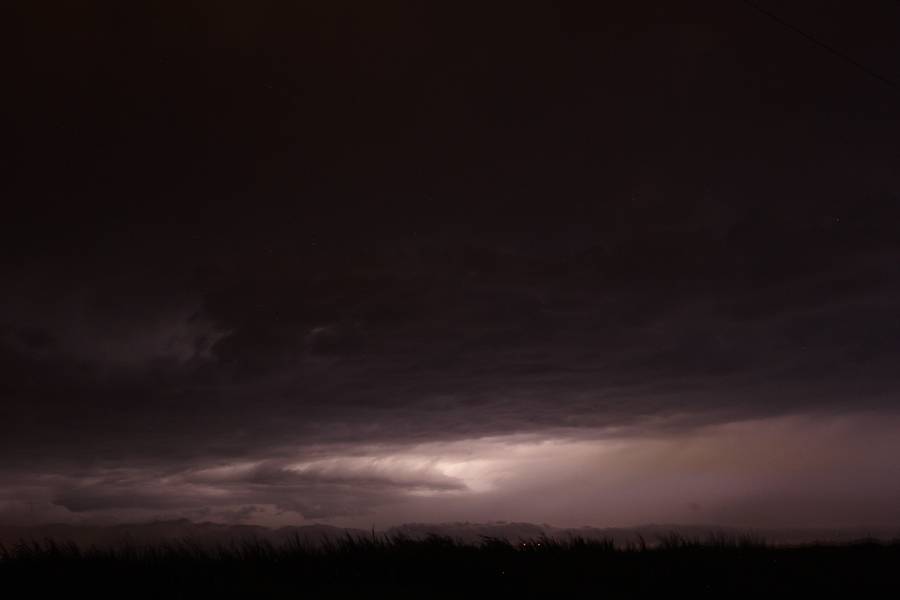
(441, 567)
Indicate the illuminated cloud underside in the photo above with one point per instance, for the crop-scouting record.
(816, 470)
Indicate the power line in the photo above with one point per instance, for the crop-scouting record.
(827, 47)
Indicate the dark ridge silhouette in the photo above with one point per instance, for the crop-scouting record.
(157, 532)
(385, 566)
(208, 533)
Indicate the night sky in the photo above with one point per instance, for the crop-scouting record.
(372, 262)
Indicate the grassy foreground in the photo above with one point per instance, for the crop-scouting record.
(439, 567)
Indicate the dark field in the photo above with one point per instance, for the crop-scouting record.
(440, 567)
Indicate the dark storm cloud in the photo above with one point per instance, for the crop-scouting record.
(510, 340)
(393, 225)
(78, 328)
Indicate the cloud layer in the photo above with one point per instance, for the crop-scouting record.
(294, 262)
